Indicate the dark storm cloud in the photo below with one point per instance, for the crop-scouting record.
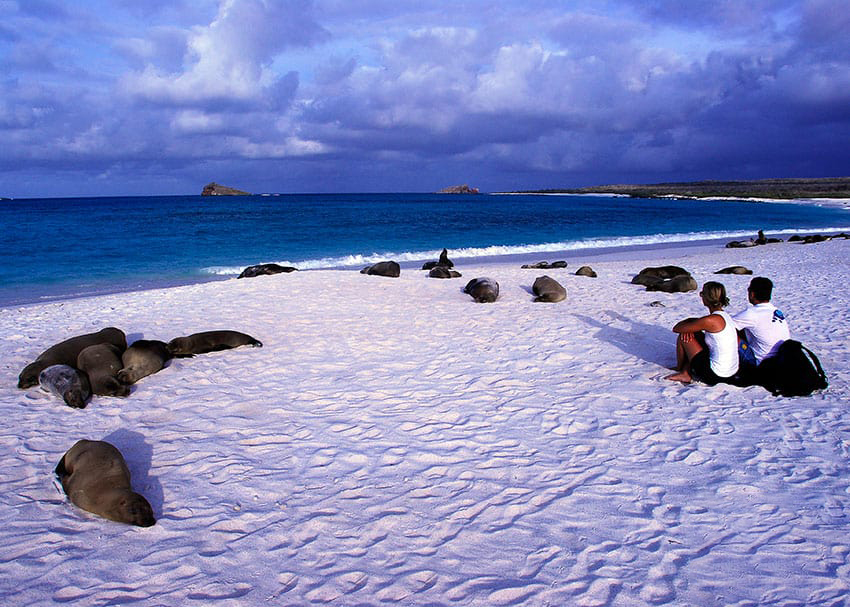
(331, 95)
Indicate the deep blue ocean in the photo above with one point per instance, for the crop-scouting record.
(68, 247)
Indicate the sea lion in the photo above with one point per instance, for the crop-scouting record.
(66, 352)
(544, 265)
(734, 270)
(95, 477)
(678, 284)
(548, 290)
(649, 276)
(586, 271)
(482, 290)
(102, 362)
(443, 272)
(209, 341)
(144, 357)
(383, 268)
(68, 383)
(741, 244)
(443, 261)
(265, 269)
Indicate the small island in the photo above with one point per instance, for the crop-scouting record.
(781, 189)
(458, 189)
(216, 189)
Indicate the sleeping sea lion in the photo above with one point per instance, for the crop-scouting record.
(102, 362)
(383, 268)
(548, 290)
(734, 270)
(209, 341)
(649, 276)
(264, 269)
(443, 272)
(142, 358)
(66, 352)
(586, 271)
(678, 284)
(68, 383)
(482, 290)
(95, 477)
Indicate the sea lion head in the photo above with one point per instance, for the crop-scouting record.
(29, 376)
(131, 508)
(179, 347)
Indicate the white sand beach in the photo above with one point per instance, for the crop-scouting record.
(393, 442)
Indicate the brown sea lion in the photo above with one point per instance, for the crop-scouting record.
(734, 270)
(678, 284)
(144, 357)
(586, 271)
(383, 268)
(95, 477)
(102, 362)
(263, 269)
(209, 341)
(548, 290)
(443, 261)
(66, 352)
(68, 383)
(649, 276)
(443, 272)
(544, 265)
(482, 290)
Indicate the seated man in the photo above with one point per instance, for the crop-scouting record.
(761, 326)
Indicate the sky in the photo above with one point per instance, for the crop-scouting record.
(120, 97)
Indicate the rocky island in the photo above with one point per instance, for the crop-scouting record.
(782, 189)
(216, 189)
(459, 189)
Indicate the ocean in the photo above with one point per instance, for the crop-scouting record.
(61, 248)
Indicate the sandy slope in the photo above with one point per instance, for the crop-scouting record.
(394, 442)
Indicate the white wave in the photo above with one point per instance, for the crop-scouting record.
(362, 260)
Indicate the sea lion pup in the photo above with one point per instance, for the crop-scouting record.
(443, 272)
(678, 284)
(102, 362)
(265, 269)
(68, 383)
(95, 477)
(548, 290)
(482, 290)
(144, 357)
(443, 261)
(734, 270)
(586, 271)
(209, 341)
(383, 268)
(66, 352)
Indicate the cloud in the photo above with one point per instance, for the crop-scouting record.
(380, 94)
(229, 59)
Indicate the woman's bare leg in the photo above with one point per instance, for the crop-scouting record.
(687, 346)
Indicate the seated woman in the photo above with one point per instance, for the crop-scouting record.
(707, 347)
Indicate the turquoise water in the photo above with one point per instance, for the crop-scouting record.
(60, 248)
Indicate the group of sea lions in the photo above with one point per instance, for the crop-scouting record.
(94, 474)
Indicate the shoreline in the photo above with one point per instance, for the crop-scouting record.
(609, 253)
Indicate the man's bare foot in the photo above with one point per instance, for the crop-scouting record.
(683, 377)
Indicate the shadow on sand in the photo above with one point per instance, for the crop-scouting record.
(652, 343)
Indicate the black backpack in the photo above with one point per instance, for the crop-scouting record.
(793, 371)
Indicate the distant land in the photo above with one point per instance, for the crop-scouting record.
(458, 189)
(216, 189)
(782, 189)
